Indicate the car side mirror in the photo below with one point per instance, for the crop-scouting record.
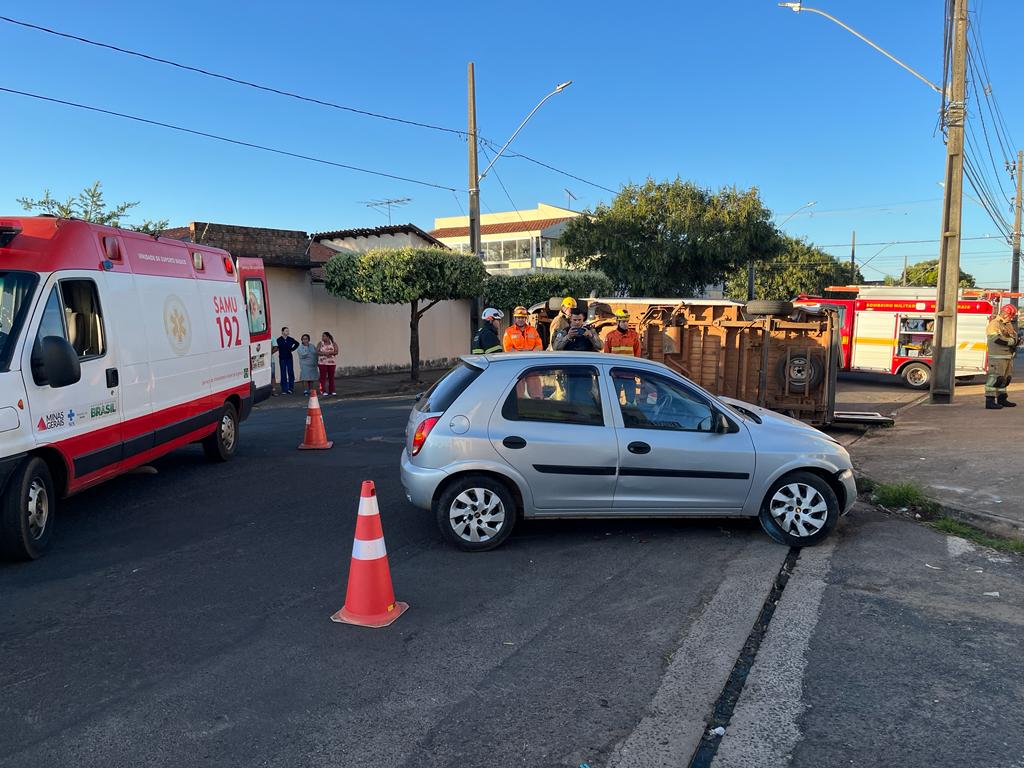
(60, 362)
(722, 424)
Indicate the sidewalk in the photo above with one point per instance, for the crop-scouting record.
(966, 458)
(372, 385)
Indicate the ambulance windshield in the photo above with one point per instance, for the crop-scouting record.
(16, 289)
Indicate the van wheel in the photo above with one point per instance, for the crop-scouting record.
(476, 513)
(222, 444)
(800, 509)
(917, 376)
(27, 511)
(802, 373)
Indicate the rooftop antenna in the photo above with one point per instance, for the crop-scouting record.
(569, 196)
(380, 205)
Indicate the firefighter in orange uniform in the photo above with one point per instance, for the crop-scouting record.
(521, 336)
(623, 340)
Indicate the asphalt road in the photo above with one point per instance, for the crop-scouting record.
(182, 618)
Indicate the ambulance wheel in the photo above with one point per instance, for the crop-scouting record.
(27, 511)
(917, 376)
(222, 444)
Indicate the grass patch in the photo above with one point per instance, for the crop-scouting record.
(899, 495)
(977, 536)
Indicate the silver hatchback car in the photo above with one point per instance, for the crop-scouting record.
(549, 435)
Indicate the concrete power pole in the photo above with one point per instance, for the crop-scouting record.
(1015, 259)
(948, 288)
(474, 178)
(853, 258)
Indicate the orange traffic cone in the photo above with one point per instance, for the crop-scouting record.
(370, 598)
(316, 435)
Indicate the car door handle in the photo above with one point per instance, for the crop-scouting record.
(514, 441)
(638, 447)
(111, 378)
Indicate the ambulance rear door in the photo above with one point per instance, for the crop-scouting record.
(253, 280)
(874, 339)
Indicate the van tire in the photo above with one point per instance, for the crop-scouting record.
(769, 307)
(223, 442)
(804, 373)
(462, 494)
(27, 511)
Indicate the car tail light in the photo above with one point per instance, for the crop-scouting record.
(422, 431)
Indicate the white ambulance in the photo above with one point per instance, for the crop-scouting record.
(115, 348)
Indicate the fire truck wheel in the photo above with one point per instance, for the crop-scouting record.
(799, 510)
(222, 444)
(27, 511)
(803, 373)
(769, 307)
(917, 375)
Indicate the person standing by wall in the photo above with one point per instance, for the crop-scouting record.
(1002, 345)
(308, 373)
(327, 360)
(485, 341)
(285, 346)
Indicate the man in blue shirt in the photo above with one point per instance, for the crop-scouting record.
(285, 346)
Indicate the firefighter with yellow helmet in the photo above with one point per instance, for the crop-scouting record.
(622, 340)
(521, 336)
(561, 323)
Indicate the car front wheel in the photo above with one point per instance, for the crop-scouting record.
(799, 510)
(476, 513)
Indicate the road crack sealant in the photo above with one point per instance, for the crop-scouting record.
(726, 703)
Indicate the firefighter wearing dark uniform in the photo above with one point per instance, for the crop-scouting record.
(486, 340)
(1002, 344)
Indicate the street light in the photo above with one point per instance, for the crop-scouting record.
(474, 179)
(797, 7)
(750, 263)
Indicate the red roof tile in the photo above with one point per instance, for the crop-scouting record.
(501, 229)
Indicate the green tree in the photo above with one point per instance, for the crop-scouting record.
(405, 276)
(89, 205)
(925, 274)
(799, 268)
(506, 292)
(671, 238)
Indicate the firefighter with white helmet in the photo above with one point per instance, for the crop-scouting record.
(1002, 345)
(486, 339)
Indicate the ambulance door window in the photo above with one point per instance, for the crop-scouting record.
(255, 305)
(51, 324)
(83, 318)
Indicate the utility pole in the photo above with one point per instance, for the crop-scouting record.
(853, 258)
(474, 179)
(1015, 259)
(904, 281)
(948, 289)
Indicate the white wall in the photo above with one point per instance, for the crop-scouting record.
(363, 244)
(370, 336)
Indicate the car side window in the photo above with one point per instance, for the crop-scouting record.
(561, 395)
(650, 401)
(83, 319)
(255, 304)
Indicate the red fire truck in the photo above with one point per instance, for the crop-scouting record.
(889, 329)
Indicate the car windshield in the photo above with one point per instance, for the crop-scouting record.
(16, 289)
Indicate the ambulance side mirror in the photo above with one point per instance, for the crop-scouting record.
(60, 362)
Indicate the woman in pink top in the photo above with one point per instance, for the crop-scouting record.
(327, 361)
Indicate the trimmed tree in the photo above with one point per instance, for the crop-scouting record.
(505, 292)
(419, 277)
(671, 238)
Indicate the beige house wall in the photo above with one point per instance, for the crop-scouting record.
(372, 337)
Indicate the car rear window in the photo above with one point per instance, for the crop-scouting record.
(446, 390)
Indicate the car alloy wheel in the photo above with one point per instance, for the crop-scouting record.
(798, 509)
(477, 515)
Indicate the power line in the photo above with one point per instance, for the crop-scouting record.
(282, 92)
(901, 242)
(227, 140)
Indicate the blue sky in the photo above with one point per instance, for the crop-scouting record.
(731, 92)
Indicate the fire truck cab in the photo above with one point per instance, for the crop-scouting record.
(116, 347)
(889, 329)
